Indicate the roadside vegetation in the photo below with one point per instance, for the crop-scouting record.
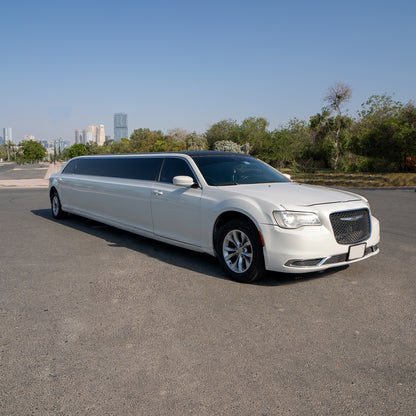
(332, 147)
(377, 139)
(355, 180)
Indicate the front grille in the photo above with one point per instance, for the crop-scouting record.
(351, 227)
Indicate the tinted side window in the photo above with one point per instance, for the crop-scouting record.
(91, 167)
(175, 167)
(121, 167)
(70, 167)
(145, 168)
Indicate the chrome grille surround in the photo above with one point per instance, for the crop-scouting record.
(351, 227)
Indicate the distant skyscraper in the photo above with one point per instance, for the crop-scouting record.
(93, 130)
(100, 134)
(1, 140)
(7, 134)
(120, 126)
(78, 137)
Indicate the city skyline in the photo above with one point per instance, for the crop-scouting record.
(188, 66)
(94, 134)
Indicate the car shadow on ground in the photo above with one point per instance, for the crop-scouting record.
(179, 257)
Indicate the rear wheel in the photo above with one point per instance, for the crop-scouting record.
(56, 206)
(240, 251)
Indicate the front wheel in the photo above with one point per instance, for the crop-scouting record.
(240, 251)
(56, 207)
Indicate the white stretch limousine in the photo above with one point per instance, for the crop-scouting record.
(229, 205)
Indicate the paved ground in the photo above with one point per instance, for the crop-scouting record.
(26, 176)
(95, 321)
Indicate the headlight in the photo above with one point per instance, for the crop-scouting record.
(294, 219)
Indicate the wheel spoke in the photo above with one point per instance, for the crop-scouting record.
(237, 251)
(231, 240)
(231, 255)
(246, 244)
(234, 238)
(240, 264)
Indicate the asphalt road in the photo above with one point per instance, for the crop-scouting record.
(96, 321)
(12, 171)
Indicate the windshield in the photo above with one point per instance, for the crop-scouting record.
(224, 170)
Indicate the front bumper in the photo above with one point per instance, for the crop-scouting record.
(312, 248)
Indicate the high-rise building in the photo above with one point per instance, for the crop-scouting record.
(100, 134)
(93, 130)
(78, 137)
(59, 144)
(93, 134)
(1, 140)
(120, 126)
(7, 134)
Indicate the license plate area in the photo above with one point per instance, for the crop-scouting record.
(356, 252)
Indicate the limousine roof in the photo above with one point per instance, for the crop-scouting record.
(191, 153)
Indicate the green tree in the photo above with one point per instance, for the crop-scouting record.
(253, 129)
(123, 146)
(282, 146)
(32, 151)
(385, 133)
(8, 151)
(144, 140)
(78, 149)
(93, 148)
(329, 138)
(223, 130)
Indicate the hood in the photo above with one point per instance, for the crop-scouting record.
(289, 194)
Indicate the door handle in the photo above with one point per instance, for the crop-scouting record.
(157, 193)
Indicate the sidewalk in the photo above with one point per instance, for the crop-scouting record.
(32, 183)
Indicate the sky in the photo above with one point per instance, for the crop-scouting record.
(189, 64)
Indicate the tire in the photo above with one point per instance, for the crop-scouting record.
(56, 207)
(240, 251)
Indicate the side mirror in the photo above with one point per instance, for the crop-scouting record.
(184, 181)
(287, 176)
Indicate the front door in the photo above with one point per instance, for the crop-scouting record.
(176, 211)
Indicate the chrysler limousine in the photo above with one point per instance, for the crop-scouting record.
(232, 206)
